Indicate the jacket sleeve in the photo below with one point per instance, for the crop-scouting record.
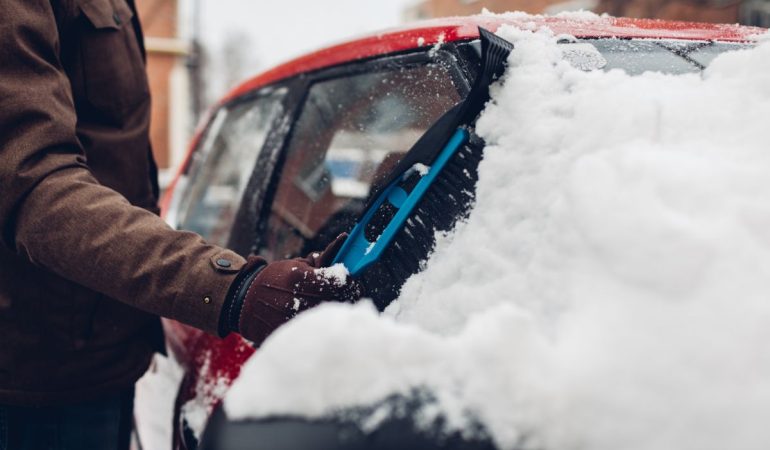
(56, 214)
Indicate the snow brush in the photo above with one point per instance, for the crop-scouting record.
(430, 189)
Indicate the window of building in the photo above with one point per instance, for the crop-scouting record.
(756, 13)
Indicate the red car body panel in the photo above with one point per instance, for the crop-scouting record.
(210, 360)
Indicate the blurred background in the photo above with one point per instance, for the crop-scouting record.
(198, 50)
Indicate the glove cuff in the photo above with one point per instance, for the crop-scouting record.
(229, 318)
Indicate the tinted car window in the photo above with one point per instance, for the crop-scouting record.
(351, 130)
(223, 165)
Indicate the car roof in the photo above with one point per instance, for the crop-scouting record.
(431, 32)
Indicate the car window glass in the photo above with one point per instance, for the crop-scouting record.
(638, 56)
(223, 165)
(351, 130)
(704, 55)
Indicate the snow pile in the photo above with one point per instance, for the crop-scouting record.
(579, 15)
(336, 274)
(154, 403)
(610, 290)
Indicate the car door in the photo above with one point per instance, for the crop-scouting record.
(353, 126)
(295, 179)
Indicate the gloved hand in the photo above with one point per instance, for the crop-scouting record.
(264, 296)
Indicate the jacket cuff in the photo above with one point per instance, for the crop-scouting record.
(201, 304)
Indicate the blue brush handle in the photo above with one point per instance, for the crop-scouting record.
(357, 253)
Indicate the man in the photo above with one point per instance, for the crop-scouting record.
(86, 266)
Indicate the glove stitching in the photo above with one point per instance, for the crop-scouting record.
(277, 309)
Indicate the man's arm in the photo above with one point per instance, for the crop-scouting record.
(55, 213)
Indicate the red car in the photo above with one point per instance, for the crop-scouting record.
(286, 161)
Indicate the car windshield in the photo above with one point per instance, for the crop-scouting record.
(638, 56)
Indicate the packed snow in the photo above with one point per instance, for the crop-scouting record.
(437, 46)
(610, 289)
(336, 274)
(421, 169)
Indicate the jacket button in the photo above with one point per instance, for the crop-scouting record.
(224, 263)
(117, 19)
(207, 300)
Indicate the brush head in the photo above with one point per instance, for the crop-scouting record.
(448, 201)
(399, 228)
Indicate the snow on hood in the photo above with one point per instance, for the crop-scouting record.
(611, 288)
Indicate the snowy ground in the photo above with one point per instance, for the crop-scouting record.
(610, 289)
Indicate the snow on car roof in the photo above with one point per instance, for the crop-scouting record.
(431, 32)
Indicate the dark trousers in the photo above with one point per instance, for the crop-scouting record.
(99, 424)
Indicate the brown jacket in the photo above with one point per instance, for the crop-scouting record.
(85, 263)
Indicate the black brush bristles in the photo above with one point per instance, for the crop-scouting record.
(449, 199)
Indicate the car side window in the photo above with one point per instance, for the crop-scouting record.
(351, 130)
(223, 164)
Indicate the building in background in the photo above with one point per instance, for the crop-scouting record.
(755, 12)
(168, 47)
(185, 75)
(749, 12)
(444, 8)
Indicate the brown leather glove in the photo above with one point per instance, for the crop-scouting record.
(264, 296)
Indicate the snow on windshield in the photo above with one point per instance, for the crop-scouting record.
(611, 288)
